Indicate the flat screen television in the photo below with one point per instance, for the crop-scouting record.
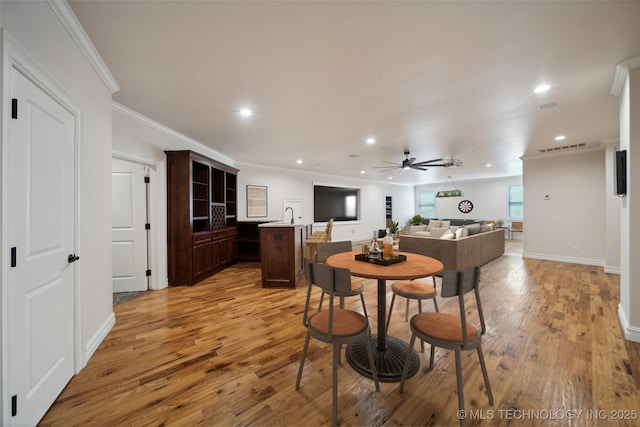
(621, 173)
(339, 203)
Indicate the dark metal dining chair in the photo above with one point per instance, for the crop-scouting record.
(324, 251)
(453, 332)
(335, 326)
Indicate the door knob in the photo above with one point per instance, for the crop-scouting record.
(72, 258)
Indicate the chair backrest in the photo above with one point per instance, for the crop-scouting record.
(330, 279)
(517, 225)
(325, 250)
(327, 231)
(458, 283)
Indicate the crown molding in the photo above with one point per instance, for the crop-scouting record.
(191, 144)
(77, 33)
(620, 73)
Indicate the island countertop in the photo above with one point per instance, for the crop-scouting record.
(282, 224)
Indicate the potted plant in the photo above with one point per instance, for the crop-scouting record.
(393, 230)
(499, 223)
(416, 220)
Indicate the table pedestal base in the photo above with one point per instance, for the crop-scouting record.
(389, 362)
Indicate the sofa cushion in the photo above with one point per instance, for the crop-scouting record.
(435, 223)
(438, 232)
(413, 229)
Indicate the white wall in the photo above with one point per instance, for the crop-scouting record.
(628, 312)
(290, 184)
(490, 198)
(570, 226)
(39, 31)
(613, 205)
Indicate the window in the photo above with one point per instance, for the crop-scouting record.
(427, 204)
(516, 205)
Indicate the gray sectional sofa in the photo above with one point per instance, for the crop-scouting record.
(477, 249)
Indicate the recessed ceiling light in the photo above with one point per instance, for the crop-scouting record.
(542, 88)
(362, 172)
(488, 165)
(560, 138)
(390, 177)
(246, 112)
(371, 140)
(299, 161)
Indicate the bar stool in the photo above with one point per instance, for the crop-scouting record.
(413, 289)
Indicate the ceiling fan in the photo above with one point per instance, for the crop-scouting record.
(410, 163)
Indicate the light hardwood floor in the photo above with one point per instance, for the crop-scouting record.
(226, 353)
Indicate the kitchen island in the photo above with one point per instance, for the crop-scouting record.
(282, 253)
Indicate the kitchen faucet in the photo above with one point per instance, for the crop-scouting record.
(289, 207)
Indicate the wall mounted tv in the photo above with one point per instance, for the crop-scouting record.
(621, 173)
(339, 203)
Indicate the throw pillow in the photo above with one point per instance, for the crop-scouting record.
(445, 224)
(435, 223)
(448, 235)
(461, 232)
(473, 229)
(485, 228)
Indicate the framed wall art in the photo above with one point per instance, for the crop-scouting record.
(256, 201)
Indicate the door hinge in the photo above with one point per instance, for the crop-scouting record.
(148, 273)
(14, 260)
(147, 226)
(14, 108)
(14, 405)
(147, 180)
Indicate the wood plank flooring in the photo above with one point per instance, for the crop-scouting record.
(226, 353)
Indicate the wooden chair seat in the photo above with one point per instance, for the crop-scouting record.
(413, 289)
(346, 323)
(443, 327)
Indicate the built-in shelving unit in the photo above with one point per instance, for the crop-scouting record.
(201, 217)
(388, 202)
(249, 240)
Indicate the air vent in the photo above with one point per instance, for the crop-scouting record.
(563, 148)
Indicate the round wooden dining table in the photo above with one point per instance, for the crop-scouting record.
(389, 353)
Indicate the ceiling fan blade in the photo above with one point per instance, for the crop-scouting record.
(385, 169)
(393, 166)
(428, 162)
(411, 160)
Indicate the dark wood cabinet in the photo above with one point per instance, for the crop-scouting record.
(249, 240)
(201, 217)
(282, 254)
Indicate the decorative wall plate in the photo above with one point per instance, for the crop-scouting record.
(465, 206)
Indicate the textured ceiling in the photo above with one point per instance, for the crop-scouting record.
(441, 79)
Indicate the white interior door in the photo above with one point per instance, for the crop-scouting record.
(42, 223)
(129, 236)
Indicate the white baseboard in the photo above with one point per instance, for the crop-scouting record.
(631, 333)
(612, 270)
(99, 336)
(547, 257)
